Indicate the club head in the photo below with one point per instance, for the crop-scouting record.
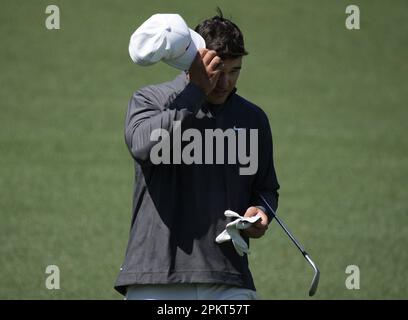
(315, 283)
(316, 277)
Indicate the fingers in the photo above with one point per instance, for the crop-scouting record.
(198, 60)
(215, 64)
(205, 70)
(251, 211)
(263, 223)
(259, 228)
(202, 52)
(254, 232)
(197, 63)
(209, 56)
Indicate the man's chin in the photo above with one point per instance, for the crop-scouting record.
(217, 99)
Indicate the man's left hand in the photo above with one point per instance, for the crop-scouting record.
(259, 228)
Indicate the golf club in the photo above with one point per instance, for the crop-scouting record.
(316, 277)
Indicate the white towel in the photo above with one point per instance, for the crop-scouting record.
(232, 231)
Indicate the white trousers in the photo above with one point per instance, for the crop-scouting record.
(188, 291)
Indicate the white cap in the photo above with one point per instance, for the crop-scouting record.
(165, 37)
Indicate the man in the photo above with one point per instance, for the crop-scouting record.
(178, 208)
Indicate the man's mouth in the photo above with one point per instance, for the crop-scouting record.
(218, 92)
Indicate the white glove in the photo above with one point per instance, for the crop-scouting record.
(231, 231)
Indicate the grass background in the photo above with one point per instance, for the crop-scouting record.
(336, 100)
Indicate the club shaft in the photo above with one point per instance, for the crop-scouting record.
(316, 277)
(284, 227)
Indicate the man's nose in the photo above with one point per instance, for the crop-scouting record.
(222, 81)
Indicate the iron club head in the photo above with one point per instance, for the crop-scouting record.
(316, 277)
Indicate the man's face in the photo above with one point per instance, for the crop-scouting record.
(226, 82)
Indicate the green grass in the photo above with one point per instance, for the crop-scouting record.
(335, 99)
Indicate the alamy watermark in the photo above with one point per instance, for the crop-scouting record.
(353, 280)
(52, 282)
(353, 20)
(53, 20)
(169, 150)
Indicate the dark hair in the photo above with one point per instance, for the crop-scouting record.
(223, 36)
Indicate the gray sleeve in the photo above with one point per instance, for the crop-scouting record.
(266, 182)
(153, 108)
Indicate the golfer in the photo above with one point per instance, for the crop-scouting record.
(178, 207)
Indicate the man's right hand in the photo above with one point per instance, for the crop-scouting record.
(205, 70)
